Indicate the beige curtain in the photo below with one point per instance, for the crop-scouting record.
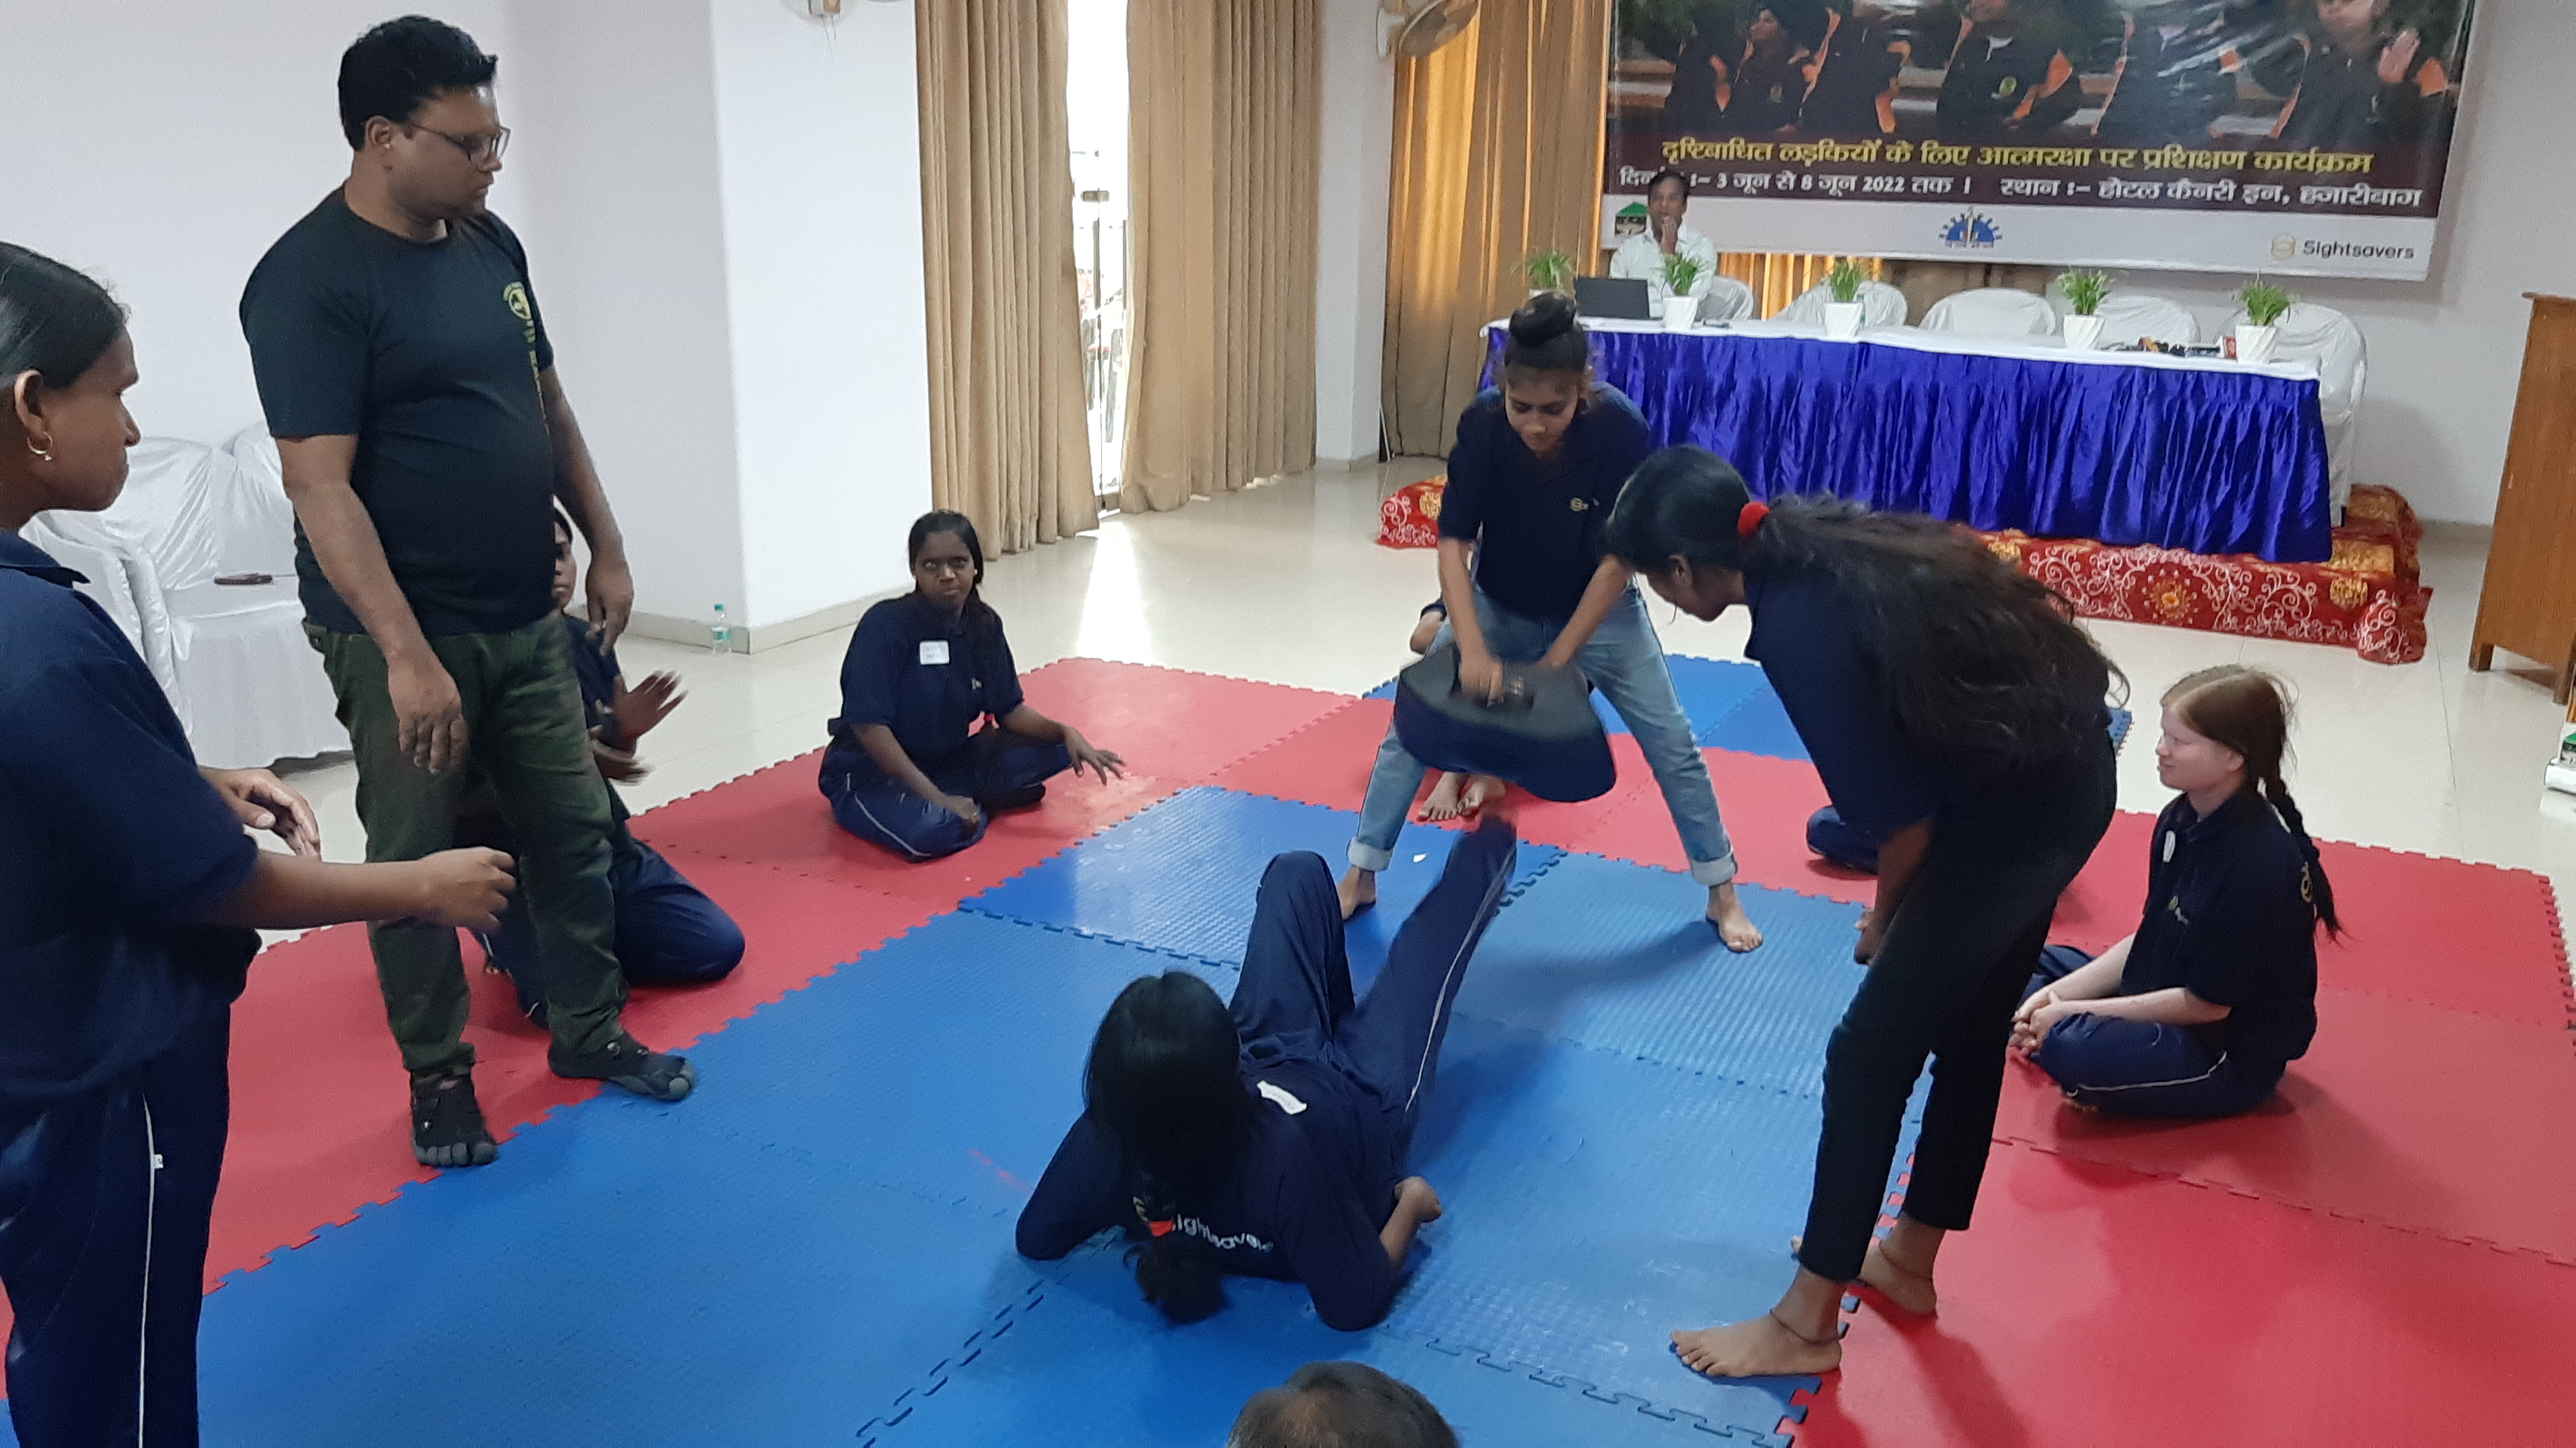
(1497, 155)
(1224, 153)
(1009, 443)
(1778, 279)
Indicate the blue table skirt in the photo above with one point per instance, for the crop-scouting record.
(2204, 461)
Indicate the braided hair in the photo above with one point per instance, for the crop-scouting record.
(2248, 711)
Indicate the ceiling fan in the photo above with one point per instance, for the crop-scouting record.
(1415, 28)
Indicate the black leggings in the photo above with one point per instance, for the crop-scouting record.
(1945, 986)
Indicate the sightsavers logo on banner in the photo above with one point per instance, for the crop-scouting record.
(2163, 115)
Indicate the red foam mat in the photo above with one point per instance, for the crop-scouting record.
(2451, 1123)
(778, 818)
(2097, 1306)
(1175, 725)
(319, 1125)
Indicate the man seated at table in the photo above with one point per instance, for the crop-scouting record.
(1641, 257)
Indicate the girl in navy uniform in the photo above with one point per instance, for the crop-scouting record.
(1523, 579)
(129, 898)
(908, 768)
(2199, 1012)
(1957, 715)
(1269, 1139)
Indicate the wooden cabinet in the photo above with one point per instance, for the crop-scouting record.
(2529, 603)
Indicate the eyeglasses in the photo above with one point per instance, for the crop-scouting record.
(477, 149)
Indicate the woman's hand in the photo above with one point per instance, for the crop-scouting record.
(615, 763)
(2399, 57)
(1415, 1195)
(1873, 938)
(263, 801)
(1099, 761)
(960, 806)
(464, 889)
(1480, 675)
(638, 709)
(2039, 1015)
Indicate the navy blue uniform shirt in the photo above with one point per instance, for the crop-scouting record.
(1305, 1204)
(927, 677)
(428, 354)
(2228, 918)
(1540, 520)
(1880, 781)
(595, 670)
(110, 840)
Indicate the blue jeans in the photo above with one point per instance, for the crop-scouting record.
(2142, 1068)
(1625, 661)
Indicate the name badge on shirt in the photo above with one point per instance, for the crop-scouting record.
(934, 651)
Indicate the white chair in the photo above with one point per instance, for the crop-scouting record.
(2332, 343)
(1728, 300)
(2004, 312)
(1880, 306)
(233, 658)
(79, 542)
(2128, 317)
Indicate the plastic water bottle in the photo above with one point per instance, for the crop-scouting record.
(720, 634)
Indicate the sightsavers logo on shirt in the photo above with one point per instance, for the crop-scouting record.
(515, 297)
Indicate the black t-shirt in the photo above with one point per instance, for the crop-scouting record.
(428, 354)
(1540, 520)
(2228, 919)
(927, 677)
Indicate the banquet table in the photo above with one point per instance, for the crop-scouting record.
(2200, 454)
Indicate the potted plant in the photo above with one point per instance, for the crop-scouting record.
(1681, 275)
(1844, 312)
(2085, 292)
(2260, 333)
(1550, 271)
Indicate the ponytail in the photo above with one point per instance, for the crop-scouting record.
(2248, 711)
(1176, 1271)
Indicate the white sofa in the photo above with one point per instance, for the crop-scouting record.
(232, 658)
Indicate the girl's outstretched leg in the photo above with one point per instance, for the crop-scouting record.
(1394, 1038)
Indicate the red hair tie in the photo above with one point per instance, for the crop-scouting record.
(1751, 518)
(1161, 1229)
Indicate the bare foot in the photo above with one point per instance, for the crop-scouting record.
(1482, 790)
(1358, 890)
(1733, 926)
(1901, 1285)
(1443, 803)
(1758, 1347)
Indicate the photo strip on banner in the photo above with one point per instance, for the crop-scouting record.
(2297, 137)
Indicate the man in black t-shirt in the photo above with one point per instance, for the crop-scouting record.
(406, 374)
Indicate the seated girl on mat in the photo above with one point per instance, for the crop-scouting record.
(1269, 1140)
(2199, 1012)
(1456, 796)
(907, 767)
(1524, 579)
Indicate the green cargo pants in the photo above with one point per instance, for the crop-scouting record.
(525, 729)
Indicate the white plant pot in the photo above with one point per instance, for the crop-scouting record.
(2083, 334)
(1680, 313)
(1843, 319)
(2257, 344)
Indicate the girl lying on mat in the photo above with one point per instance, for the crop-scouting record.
(1456, 796)
(1524, 579)
(1955, 711)
(908, 768)
(1269, 1139)
(2199, 1012)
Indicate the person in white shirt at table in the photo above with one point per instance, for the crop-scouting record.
(1641, 257)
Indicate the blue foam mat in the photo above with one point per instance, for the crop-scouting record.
(1182, 876)
(819, 1240)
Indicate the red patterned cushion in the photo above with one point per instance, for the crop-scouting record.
(1411, 518)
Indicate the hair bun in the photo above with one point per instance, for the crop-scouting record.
(1545, 317)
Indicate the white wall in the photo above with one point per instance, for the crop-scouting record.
(819, 129)
(2446, 353)
(626, 244)
(163, 146)
(1350, 280)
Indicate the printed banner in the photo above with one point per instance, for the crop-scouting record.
(2291, 137)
